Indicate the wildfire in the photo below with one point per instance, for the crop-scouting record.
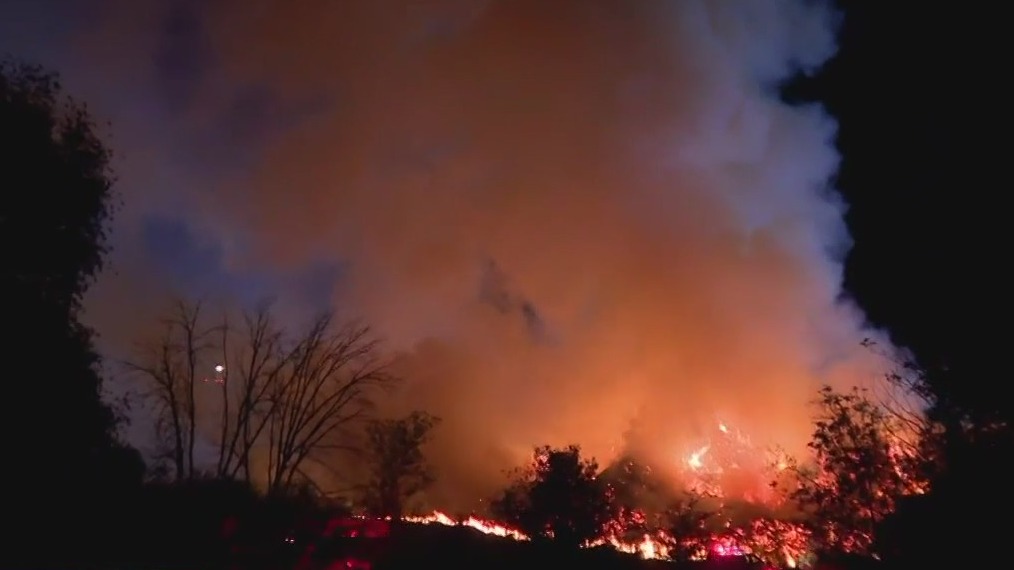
(648, 547)
(729, 465)
(729, 448)
(481, 525)
(728, 462)
(694, 461)
(768, 539)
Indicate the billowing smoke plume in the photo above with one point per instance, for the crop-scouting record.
(580, 221)
(577, 221)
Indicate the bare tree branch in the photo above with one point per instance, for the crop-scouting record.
(292, 397)
(250, 378)
(327, 387)
(170, 365)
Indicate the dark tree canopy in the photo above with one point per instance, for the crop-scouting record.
(398, 467)
(59, 195)
(53, 219)
(859, 474)
(559, 497)
(637, 486)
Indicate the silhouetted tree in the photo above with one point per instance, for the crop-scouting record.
(173, 364)
(325, 389)
(559, 497)
(778, 543)
(860, 472)
(53, 220)
(965, 456)
(253, 365)
(637, 486)
(398, 466)
(282, 396)
(642, 498)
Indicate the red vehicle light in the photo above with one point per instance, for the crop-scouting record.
(350, 564)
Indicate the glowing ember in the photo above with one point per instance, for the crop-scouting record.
(725, 546)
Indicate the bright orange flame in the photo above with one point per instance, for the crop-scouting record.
(727, 453)
(694, 461)
(728, 464)
(483, 526)
(650, 546)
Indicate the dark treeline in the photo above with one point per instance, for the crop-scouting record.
(64, 461)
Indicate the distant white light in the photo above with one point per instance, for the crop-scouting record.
(219, 368)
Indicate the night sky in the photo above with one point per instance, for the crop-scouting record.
(601, 202)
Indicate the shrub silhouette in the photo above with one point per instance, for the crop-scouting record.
(558, 497)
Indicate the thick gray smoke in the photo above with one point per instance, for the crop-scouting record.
(568, 217)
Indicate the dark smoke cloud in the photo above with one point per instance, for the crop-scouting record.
(568, 217)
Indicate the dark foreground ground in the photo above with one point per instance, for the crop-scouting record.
(412, 546)
(421, 547)
(408, 547)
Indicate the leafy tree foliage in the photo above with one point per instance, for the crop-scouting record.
(53, 220)
(955, 471)
(641, 497)
(60, 169)
(53, 239)
(859, 474)
(398, 466)
(965, 454)
(559, 497)
(777, 542)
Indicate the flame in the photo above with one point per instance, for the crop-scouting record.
(481, 525)
(658, 545)
(648, 547)
(694, 461)
(728, 464)
(729, 456)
